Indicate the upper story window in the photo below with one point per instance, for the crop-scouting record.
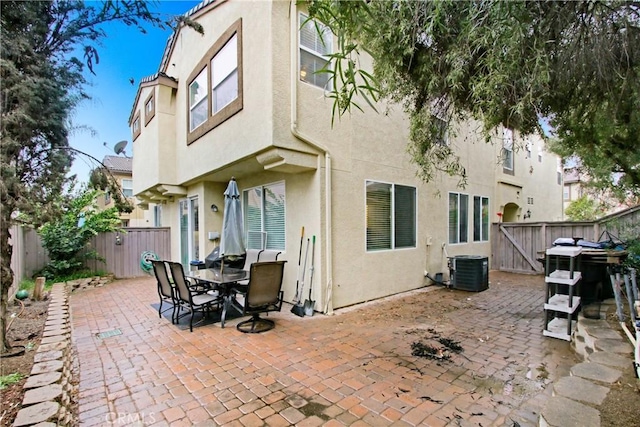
(135, 126)
(215, 85)
(458, 218)
(316, 42)
(390, 216)
(224, 75)
(149, 108)
(441, 131)
(198, 107)
(127, 187)
(507, 150)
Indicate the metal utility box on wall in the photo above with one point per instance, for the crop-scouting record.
(470, 273)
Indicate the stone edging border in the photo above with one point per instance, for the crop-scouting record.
(605, 353)
(47, 400)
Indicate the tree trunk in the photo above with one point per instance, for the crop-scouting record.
(6, 275)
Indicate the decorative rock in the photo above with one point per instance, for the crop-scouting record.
(610, 359)
(53, 339)
(55, 324)
(45, 356)
(54, 346)
(596, 372)
(36, 413)
(42, 394)
(44, 367)
(563, 412)
(55, 331)
(42, 379)
(614, 346)
(579, 389)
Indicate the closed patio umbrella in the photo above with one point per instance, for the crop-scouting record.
(232, 242)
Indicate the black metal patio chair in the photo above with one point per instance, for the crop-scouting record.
(166, 290)
(189, 299)
(262, 294)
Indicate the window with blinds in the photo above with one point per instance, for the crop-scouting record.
(316, 42)
(480, 219)
(224, 75)
(458, 218)
(215, 85)
(198, 100)
(264, 216)
(390, 216)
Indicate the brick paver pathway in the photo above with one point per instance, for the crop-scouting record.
(354, 368)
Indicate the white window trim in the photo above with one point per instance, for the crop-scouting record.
(130, 187)
(314, 52)
(458, 223)
(483, 239)
(393, 218)
(234, 71)
(197, 104)
(507, 147)
(262, 225)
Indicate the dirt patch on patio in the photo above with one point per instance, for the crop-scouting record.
(421, 314)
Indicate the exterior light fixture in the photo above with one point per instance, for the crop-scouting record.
(214, 208)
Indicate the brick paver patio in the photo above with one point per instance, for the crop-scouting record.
(354, 368)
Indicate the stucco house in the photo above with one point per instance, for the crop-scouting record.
(576, 185)
(121, 169)
(243, 101)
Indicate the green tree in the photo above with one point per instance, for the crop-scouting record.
(66, 238)
(43, 80)
(584, 209)
(508, 63)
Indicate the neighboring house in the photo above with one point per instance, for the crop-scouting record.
(576, 186)
(121, 169)
(573, 188)
(243, 101)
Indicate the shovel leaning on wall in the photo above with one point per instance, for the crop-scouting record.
(309, 303)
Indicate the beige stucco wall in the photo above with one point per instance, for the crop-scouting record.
(138, 217)
(360, 147)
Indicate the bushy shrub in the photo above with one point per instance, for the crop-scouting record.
(66, 238)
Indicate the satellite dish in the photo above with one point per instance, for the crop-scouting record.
(119, 147)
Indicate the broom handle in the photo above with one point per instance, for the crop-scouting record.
(313, 251)
(304, 267)
(297, 298)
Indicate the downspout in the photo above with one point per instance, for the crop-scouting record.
(328, 306)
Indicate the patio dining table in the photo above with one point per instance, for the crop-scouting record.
(222, 281)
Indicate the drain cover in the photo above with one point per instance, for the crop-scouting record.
(108, 334)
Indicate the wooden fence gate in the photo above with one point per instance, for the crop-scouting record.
(518, 247)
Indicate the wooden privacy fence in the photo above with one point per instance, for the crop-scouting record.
(515, 247)
(121, 260)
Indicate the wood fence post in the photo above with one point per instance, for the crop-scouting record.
(38, 288)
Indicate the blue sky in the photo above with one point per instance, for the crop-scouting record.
(125, 53)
